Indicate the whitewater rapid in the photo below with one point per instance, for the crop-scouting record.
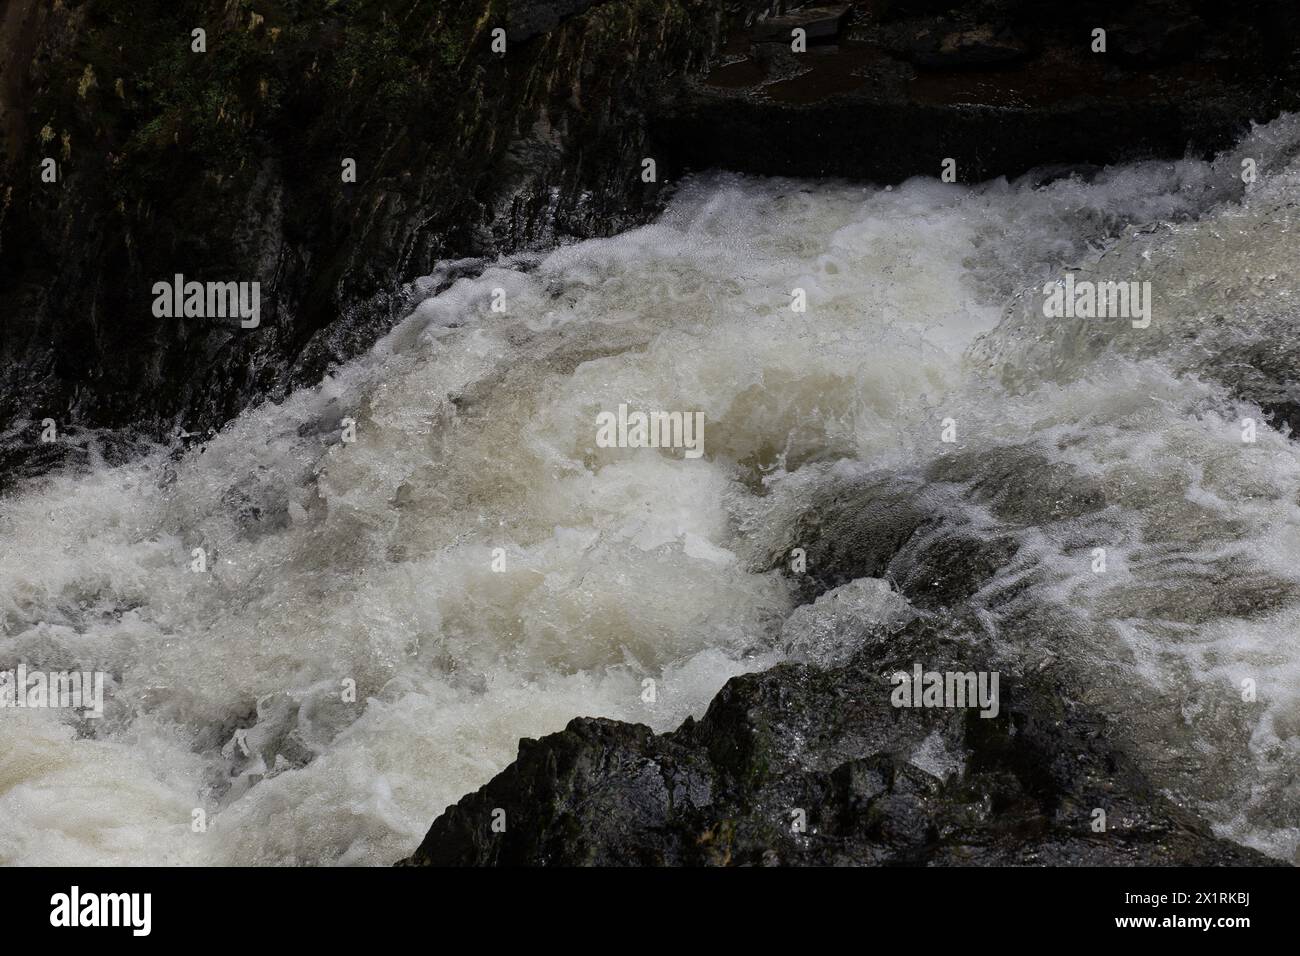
(481, 570)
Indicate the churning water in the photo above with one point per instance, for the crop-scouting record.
(483, 569)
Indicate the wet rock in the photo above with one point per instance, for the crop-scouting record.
(818, 23)
(528, 18)
(908, 532)
(949, 569)
(809, 766)
(977, 48)
(854, 528)
(1156, 34)
(1022, 487)
(25, 457)
(1283, 415)
(1002, 88)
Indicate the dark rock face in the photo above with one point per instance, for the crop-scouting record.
(527, 18)
(227, 165)
(1000, 87)
(803, 766)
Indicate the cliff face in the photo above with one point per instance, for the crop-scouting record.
(228, 165)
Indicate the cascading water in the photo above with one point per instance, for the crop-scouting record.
(436, 524)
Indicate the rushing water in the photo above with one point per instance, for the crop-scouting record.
(376, 560)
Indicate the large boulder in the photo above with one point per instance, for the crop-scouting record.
(803, 765)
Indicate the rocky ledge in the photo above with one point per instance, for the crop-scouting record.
(885, 90)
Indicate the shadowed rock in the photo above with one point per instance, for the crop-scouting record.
(527, 18)
(817, 22)
(805, 766)
(1010, 86)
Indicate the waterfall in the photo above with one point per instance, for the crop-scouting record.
(341, 613)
